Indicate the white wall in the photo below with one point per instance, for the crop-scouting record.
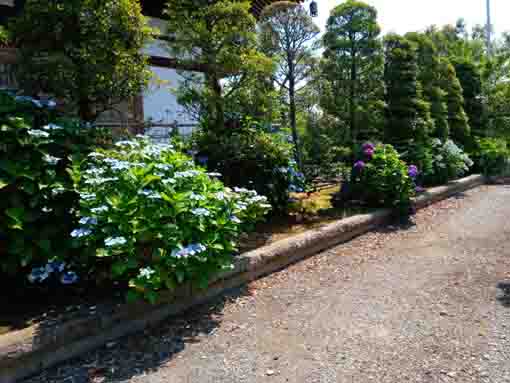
(159, 101)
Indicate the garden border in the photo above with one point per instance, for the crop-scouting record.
(25, 352)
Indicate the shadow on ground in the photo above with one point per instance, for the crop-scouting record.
(504, 296)
(144, 352)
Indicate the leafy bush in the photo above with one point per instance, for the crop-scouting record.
(36, 192)
(449, 162)
(380, 178)
(491, 156)
(246, 156)
(150, 216)
(4, 36)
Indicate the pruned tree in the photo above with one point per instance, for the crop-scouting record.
(408, 114)
(353, 62)
(86, 52)
(287, 35)
(218, 38)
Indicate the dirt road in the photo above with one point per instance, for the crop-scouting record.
(417, 303)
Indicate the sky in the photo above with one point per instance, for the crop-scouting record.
(402, 16)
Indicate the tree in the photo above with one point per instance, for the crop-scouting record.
(219, 38)
(86, 52)
(408, 114)
(471, 82)
(287, 31)
(457, 118)
(353, 61)
(429, 76)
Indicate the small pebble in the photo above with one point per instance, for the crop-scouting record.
(270, 372)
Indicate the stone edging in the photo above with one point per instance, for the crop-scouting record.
(25, 352)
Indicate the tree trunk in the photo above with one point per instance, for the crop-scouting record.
(292, 115)
(217, 110)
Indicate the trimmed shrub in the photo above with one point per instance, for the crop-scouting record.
(491, 156)
(149, 216)
(380, 178)
(247, 156)
(36, 192)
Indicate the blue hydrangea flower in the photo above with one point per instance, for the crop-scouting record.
(52, 127)
(88, 221)
(201, 212)
(100, 209)
(55, 266)
(87, 196)
(81, 232)
(51, 159)
(196, 197)
(38, 133)
(117, 241)
(69, 278)
(38, 274)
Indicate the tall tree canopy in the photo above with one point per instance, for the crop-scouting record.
(353, 60)
(86, 52)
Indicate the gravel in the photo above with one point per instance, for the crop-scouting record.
(426, 301)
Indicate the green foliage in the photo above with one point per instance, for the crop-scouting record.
(153, 218)
(381, 180)
(471, 82)
(457, 118)
(429, 76)
(36, 192)
(249, 157)
(408, 114)
(218, 39)
(353, 66)
(85, 52)
(4, 36)
(491, 156)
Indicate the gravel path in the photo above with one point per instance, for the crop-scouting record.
(419, 303)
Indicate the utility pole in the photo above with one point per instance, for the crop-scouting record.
(489, 28)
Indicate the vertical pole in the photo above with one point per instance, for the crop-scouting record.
(489, 27)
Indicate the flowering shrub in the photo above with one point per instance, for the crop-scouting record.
(153, 218)
(249, 157)
(449, 162)
(36, 192)
(491, 156)
(381, 178)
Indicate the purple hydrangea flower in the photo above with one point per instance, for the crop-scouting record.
(369, 152)
(368, 146)
(359, 165)
(413, 171)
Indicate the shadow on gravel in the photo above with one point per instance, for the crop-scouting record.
(504, 297)
(145, 352)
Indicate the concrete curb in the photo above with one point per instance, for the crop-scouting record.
(30, 350)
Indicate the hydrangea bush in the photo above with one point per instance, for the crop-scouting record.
(449, 162)
(380, 178)
(155, 219)
(37, 200)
